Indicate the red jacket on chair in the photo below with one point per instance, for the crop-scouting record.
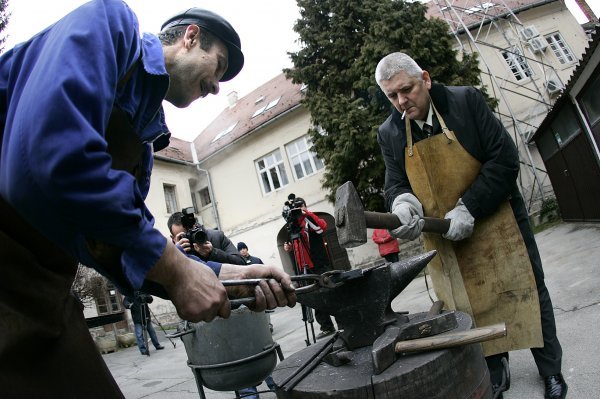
(386, 243)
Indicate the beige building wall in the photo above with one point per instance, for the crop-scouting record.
(524, 96)
(527, 100)
(174, 174)
(249, 215)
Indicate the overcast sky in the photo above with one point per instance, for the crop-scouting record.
(265, 28)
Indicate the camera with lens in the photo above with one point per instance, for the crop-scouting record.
(194, 232)
(291, 212)
(144, 298)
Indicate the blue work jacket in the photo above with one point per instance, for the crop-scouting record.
(57, 92)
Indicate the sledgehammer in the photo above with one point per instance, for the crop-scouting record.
(352, 221)
(384, 353)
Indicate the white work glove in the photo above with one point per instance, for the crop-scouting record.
(410, 212)
(461, 222)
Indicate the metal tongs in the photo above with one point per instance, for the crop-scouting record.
(304, 283)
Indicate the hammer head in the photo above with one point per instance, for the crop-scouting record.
(349, 217)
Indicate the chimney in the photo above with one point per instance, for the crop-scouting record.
(232, 98)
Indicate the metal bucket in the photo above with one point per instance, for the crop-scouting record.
(231, 354)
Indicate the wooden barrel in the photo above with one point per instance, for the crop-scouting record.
(458, 373)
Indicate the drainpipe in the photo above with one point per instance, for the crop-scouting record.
(210, 189)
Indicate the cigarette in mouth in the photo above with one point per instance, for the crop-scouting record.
(403, 113)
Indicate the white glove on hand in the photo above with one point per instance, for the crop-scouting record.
(410, 212)
(461, 222)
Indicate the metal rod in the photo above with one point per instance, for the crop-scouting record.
(293, 380)
(380, 220)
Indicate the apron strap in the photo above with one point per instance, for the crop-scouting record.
(409, 140)
(449, 133)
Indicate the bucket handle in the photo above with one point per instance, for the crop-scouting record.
(181, 333)
(267, 351)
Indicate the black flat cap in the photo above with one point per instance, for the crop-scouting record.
(219, 27)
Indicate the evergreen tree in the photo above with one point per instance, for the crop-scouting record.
(341, 43)
(4, 16)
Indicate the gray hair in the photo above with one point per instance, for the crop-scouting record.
(394, 63)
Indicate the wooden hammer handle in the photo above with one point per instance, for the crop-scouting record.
(452, 339)
(379, 220)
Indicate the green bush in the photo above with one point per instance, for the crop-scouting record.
(550, 209)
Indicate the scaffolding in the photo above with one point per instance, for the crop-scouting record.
(526, 85)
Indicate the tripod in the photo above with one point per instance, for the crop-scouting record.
(307, 313)
(162, 328)
(145, 326)
(146, 313)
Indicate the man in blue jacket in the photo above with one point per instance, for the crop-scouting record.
(80, 115)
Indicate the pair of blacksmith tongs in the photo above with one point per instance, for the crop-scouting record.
(308, 283)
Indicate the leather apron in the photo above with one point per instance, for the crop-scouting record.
(489, 274)
(43, 333)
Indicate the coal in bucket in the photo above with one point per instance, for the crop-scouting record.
(231, 354)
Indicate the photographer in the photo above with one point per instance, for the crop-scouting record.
(306, 234)
(140, 314)
(206, 244)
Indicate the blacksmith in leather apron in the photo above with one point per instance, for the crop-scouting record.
(487, 275)
(489, 266)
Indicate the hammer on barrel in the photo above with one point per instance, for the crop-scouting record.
(352, 221)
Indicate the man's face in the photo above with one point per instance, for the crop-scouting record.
(193, 72)
(408, 93)
(176, 230)
(244, 251)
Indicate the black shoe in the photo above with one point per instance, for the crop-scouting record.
(556, 387)
(497, 392)
(159, 347)
(144, 353)
(325, 333)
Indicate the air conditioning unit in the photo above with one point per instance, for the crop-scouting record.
(538, 44)
(529, 32)
(553, 86)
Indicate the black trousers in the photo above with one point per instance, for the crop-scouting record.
(548, 358)
(323, 318)
(46, 350)
(392, 258)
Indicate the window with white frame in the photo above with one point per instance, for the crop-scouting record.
(517, 64)
(304, 161)
(560, 48)
(170, 198)
(271, 172)
(204, 195)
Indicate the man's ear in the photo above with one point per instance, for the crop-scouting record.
(191, 37)
(427, 80)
